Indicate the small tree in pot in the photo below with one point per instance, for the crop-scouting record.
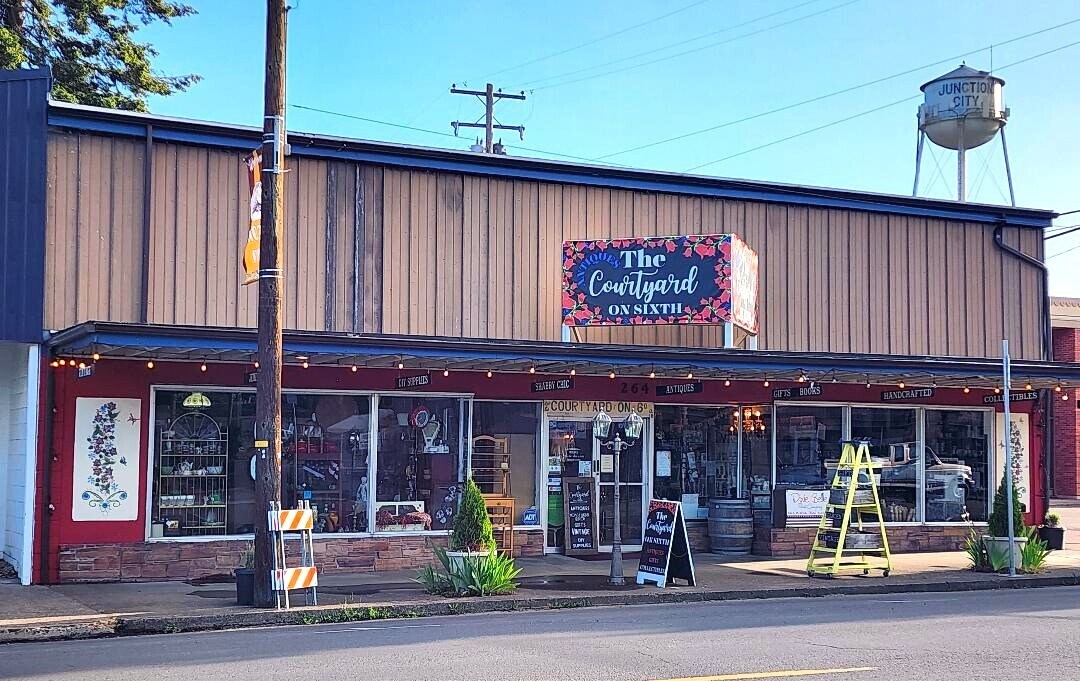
(245, 576)
(997, 538)
(472, 534)
(1051, 532)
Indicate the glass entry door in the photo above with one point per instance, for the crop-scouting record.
(631, 492)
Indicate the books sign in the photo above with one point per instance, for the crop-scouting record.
(660, 280)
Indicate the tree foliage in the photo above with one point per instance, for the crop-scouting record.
(91, 47)
(472, 524)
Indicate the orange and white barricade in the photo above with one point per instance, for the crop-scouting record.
(284, 578)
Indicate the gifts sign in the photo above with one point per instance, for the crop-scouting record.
(665, 548)
(579, 498)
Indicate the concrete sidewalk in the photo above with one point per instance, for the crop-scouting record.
(88, 610)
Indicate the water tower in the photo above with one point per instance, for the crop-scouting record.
(961, 110)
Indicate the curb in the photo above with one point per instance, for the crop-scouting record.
(145, 625)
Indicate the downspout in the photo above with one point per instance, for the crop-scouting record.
(1048, 352)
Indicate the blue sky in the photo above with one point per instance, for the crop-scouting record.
(706, 63)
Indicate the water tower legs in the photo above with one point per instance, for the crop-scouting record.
(1008, 168)
(918, 161)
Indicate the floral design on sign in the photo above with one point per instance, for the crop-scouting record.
(105, 493)
(648, 280)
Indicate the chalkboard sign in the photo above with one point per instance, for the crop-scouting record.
(665, 548)
(579, 511)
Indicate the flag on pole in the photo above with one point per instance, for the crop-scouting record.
(251, 249)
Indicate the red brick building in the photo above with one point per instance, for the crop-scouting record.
(1065, 317)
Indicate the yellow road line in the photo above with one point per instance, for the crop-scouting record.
(775, 675)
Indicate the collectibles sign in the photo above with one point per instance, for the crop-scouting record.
(703, 279)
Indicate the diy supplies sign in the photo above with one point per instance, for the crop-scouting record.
(660, 280)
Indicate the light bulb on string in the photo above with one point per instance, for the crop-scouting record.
(573, 372)
(1057, 388)
(997, 391)
(489, 374)
(1027, 386)
(305, 364)
(150, 364)
(256, 364)
(966, 390)
(96, 356)
(400, 365)
(202, 367)
(611, 374)
(652, 374)
(1065, 397)
(55, 363)
(766, 383)
(354, 368)
(727, 382)
(901, 385)
(532, 370)
(445, 372)
(689, 374)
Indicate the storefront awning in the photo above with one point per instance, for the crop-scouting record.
(219, 344)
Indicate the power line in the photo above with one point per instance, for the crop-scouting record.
(600, 39)
(1070, 230)
(534, 85)
(1067, 250)
(435, 132)
(863, 113)
(835, 93)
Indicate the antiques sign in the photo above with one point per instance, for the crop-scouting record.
(660, 280)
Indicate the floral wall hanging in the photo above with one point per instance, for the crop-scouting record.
(107, 459)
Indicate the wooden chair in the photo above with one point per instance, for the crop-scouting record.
(501, 510)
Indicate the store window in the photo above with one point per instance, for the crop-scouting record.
(893, 443)
(324, 458)
(504, 444)
(807, 444)
(957, 470)
(419, 464)
(697, 456)
(202, 482)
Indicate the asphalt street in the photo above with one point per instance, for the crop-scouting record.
(1013, 634)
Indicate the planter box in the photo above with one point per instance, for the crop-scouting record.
(1053, 536)
(1003, 545)
(245, 586)
(411, 527)
(457, 558)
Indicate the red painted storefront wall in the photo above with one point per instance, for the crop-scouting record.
(1067, 421)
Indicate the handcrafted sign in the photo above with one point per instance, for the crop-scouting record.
(553, 385)
(579, 498)
(660, 280)
(105, 484)
(681, 388)
(665, 548)
(908, 394)
(1013, 397)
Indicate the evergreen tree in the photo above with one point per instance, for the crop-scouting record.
(91, 48)
(472, 524)
(999, 516)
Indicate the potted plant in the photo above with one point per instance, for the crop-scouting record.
(472, 535)
(1051, 532)
(245, 576)
(996, 540)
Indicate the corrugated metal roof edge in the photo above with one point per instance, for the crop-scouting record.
(134, 124)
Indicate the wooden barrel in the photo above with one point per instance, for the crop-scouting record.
(731, 526)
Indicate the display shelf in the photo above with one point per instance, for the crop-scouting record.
(195, 439)
(192, 506)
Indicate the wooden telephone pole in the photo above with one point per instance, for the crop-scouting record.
(268, 391)
(489, 96)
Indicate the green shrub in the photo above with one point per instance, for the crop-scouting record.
(1051, 519)
(472, 524)
(998, 556)
(976, 552)
(999, 517)
(1033, 554)
(474, 576)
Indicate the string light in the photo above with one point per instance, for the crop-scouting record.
(997, 391)
(766, 383)
(354, 368)
(689, 374)
(868, 385)
(305, 364)
(96, 356)
(489, 374)
(63, 362)
(727, 382)
(446, 372)
(202, 368)
(802, 377)
(256, 364)
(150, 364)
(966, 390)
(54, 364)
(573, 372)
(901, 385)
(1027, 386)
(652, 374)
(611, 374)
(1057, 388)
(1065, 397)
(400, 365)
(532, 370)
(82, 365)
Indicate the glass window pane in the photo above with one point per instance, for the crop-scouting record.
(419, 463)
(324, 460)
(957, 469)
(757, 448)
(696, 451)
(504, 451)
(807, 437)
(570, 454)
(202, 483)
(892, 443)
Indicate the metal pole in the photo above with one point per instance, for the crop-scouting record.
(1008, 168)
(489, 119)
(268, 390)
(918, 162)
(616, 539)
(961, 169)
(1007, 371)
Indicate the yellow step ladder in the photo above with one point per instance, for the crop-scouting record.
(853, 500)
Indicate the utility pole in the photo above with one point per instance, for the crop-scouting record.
(489, 96)
(268, 390)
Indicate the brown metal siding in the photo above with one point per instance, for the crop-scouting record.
(380, 249)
